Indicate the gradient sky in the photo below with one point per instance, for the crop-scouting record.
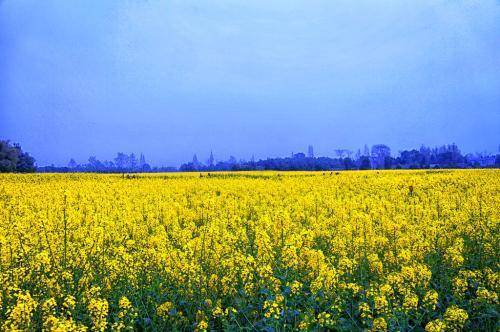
(173, 78)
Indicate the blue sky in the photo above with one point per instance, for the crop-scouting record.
(173, 78)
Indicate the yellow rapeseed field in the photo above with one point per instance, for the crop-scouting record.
(367, 250)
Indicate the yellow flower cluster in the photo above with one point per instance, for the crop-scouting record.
(274, 308)
(98, 310)
(250, 250)
(19, 317)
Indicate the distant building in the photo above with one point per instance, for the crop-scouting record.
(299, 155)
(310, 152)
(211, 160)
(142, 161)
(196, 163)
(481, 159)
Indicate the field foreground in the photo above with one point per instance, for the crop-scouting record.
(388, 250)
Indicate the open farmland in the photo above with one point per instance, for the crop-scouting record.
(388, 250)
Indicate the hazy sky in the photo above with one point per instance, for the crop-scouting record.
(173, 78)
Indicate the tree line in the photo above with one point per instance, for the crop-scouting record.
(378, 157)
(122, 163)
(14, 159)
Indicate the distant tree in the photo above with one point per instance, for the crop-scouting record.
(426, 154)
(343, 153)
(364, 163)
(132, 161)
(93, 161)
(348, 163)
(109, 165)
(8, 157)
(72, 163)
(366, 151)
(340, 153)
(456, 155)
(95, 164)
(189, 167)
(358, 154)
(25, 163)
(379, 154)
(387, 162)
(14, 159)
(121, 160)
(447, 156)
(411, 159)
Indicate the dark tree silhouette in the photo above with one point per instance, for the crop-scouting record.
(14, 159)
